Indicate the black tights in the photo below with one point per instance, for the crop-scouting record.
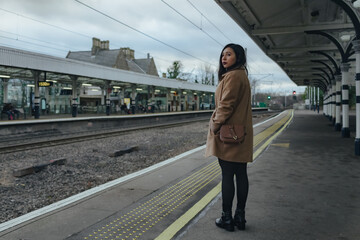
(229, 169)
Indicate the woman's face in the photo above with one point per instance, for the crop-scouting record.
(228, 57)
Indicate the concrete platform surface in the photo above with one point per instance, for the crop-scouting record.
(306, 186)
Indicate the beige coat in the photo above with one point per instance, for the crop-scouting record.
(233, 106)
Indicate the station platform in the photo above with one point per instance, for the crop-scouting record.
(305, 185)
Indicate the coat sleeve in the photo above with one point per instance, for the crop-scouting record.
(228, 100)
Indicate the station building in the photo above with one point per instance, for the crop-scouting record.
(97, 81)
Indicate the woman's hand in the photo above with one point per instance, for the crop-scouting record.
(214, 128)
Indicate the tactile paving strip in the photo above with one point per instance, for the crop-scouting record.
(138, 221)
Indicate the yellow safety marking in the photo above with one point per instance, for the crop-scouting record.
(167, 201)
(190, 214)
(284, 145)
(184, 184)
(170, 232)
(269, 131)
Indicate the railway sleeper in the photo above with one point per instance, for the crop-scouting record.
(124, 151)
(37, 168)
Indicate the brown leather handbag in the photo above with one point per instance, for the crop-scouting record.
(232, 133)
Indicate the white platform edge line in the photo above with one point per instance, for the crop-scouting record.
(87, 193)
(62, 203)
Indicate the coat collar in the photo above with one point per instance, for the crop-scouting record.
(237, 68)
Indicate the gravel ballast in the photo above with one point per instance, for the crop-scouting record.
(88, 164)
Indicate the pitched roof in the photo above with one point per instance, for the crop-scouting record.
(109, 58)
(102, 57)
(143, 63)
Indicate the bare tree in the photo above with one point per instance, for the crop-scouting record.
(207, 75)
(253, 83)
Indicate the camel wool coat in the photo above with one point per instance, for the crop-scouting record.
(233, 106)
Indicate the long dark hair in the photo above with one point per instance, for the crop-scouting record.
(240, 59)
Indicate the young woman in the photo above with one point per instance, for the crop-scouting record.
(233, 106)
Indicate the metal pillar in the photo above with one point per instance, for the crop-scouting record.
(315, 101)
(168, 97)
(133, 96)
(345, 131)
(338, 103)
(325, 104)
(74, 102)
(181, 105)
(329, 103)
(333, 102)
(314, 95)
(107, 94)
(36, 75)
(356, 44)
(310, 97)
(318, 99)
(6, 83)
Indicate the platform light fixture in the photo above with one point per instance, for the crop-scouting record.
(157, 90)
(67, 88)
(184, 93)
(30, 85)
(139, 89)
(356, 4)
(49, 80)
(345, 36)
(87, 84)
(4, 76)
(116, 87)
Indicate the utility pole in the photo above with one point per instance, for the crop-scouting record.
(256, 80)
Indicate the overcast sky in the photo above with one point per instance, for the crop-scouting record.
(56, 27)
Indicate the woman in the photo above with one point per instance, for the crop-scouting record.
(233, 106)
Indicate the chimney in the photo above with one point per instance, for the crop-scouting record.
(148, 55)
(104, 45)
(129, 53)
(95, 46)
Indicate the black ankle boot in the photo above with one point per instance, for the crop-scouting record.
(239, 219)
(226, 221)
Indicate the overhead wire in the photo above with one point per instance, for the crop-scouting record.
(141, 32)
(208, 20)
(218, 29)
(46, 42)
(200, 28)
(67, 30)
(87, 36)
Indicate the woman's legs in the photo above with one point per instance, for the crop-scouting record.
(242, 185)
(227, 185)
(229, 169)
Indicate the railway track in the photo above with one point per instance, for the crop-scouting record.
(23, 143)
(66, 139)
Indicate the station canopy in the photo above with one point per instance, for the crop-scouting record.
(16, 63)
(299, 35)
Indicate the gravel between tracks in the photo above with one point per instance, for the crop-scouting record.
(88, 165)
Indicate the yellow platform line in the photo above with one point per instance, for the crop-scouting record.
(176, 226)
(145, 211)
(139, 220)
(269, 131)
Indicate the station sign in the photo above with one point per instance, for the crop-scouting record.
(45, 84)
